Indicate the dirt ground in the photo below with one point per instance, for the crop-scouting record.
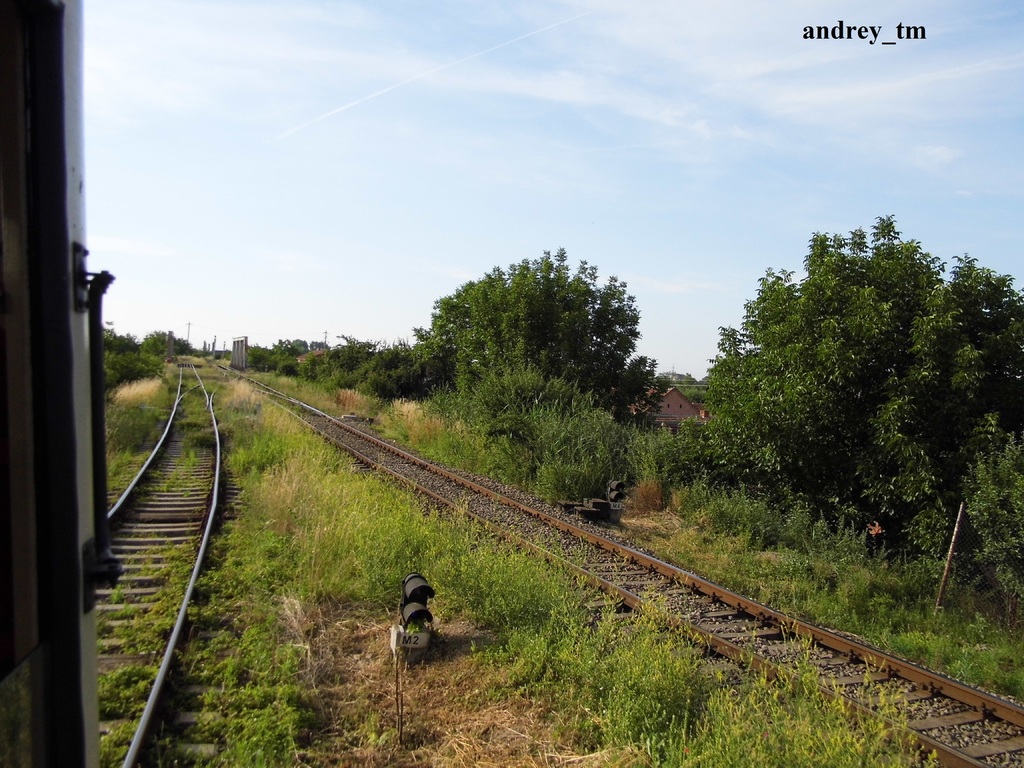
(458, 709)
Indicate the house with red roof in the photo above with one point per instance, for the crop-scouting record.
(675, 407)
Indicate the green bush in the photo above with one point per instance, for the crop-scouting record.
(580, 452)
(128, 427)
(671, 459)
(121, 368)
(996, 509)
(541, 434)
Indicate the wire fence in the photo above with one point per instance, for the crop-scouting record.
(973, 584)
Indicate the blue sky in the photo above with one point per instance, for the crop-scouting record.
(290, 169)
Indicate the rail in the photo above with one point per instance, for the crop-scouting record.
(986, 706)
(149, 713)
(112, 512)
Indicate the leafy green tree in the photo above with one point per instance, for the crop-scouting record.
(373, 367)
(342, 366)
(260, 359)
(118, 343)
(540, 314)
(290, 348)
(995, 506)
(155, 344)
(870, 387)
(394, 371)
(124, 359)
(281, 358)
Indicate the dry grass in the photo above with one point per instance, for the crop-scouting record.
(421, 427)
(350, 401)
(457, 709)
(239, 394)
(653, 525)
(646, 498)
(140, 392)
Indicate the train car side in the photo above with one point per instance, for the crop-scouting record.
(48, 710)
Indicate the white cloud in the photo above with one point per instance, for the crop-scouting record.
(196, 58)
(627, 131)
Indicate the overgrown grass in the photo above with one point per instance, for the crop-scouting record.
(124, 691)
(142, 392)
(565, 454)
(791, 560)
(784, 723)
(135, 413)
(315, 538)
(438, 438)
(633, 684)
(334, 523)
(337, 402)
(830, 577)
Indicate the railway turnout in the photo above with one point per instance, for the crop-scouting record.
(171, 504)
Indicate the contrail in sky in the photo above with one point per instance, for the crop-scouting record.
(421, 75)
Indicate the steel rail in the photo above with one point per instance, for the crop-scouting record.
(987, 704)
(153, 454)
(152, 703)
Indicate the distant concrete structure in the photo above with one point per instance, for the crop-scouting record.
(240, 353)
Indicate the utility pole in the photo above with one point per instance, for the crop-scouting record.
(325, 339)
(188, 332)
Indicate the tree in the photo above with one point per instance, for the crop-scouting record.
(125, 361)
(155, 344)
(261, 359)
(995, 504)
(539, 314)
(394, 371)
(341, 366)
(870, 387)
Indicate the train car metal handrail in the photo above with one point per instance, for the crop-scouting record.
(165, 666)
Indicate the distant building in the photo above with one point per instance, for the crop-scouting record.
(675, 407)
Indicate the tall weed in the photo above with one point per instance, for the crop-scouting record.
(314, 535)
(632, 682)
(672, 460)
(788, 724)
(141, 392)
(578, 453)
(134, 415)
(134, 412)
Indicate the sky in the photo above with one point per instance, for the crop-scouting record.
(314, 169)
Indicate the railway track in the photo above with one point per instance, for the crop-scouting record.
(163, 520)
(961, 724)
